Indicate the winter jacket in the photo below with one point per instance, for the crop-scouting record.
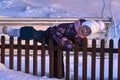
(65, 34)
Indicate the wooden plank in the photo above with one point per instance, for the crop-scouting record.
(47, 19)
(89, 49)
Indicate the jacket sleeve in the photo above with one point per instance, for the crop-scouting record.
(79, 40)
(63, 41)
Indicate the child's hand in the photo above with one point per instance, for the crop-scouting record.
(70, 47)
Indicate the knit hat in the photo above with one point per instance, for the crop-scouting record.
(95, 26)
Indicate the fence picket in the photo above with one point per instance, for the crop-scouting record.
(59, 59)
(84, 70)
(111, 60)
(76, 61)
(34, 57)
(119, 59)
(93, 63)
(11, 53)
(51, 61)
(67, 65)
(43, 58)
(3, 49)
(26, 56)
(102, 59)
(19, 54)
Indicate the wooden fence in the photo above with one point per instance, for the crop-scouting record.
(50, 48)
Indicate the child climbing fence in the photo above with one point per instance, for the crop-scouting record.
(11, 46)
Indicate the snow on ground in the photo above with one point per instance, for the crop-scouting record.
(7, 74)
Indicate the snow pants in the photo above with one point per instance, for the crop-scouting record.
(28, 32)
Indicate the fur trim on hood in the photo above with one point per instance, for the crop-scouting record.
(77, 26)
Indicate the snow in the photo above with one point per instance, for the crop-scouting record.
(7, 74)
(59, 8)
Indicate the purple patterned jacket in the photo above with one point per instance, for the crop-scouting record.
(65, 34)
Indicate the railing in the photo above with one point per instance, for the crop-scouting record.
(19, 46)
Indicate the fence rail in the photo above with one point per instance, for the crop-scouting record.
(50, 48)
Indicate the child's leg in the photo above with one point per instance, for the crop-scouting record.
(28, 33)
(40, 34)
(11, 31)
(25, 33)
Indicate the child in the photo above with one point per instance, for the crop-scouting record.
(63, 34)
